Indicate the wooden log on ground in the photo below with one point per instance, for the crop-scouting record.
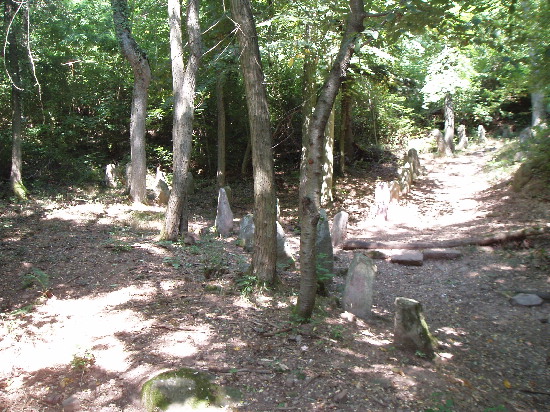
(502, 237)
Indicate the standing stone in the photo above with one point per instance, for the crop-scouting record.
(525, 135)
(162, 192)
(111, 176)
(358, 290)
(128, 176)
(325, 253)
(190, 184)
(440, 141)
(410, 328)
(339, 228)
(414, 160)
(284, 255)
(481, 134)
(382, 198)
(246, 232)
(224, 215)
(462, 138)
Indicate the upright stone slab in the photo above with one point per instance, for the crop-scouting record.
(224, 215)
(481, 134)
(440, 141)
(414, 160)
(325, 253)
(246, 232)
(190, 183)
(339, 228)
(410, 328)
(358, 290)
(284, 255)
(462, 138)
(110, 176)
(162, 192)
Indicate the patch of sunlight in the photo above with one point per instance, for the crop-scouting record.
(72, 325)
(242, 302)
(183, 343)
(167, 285)
(77, 213)
(373, 339)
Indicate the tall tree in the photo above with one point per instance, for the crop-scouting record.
(310, 179)
(15, 14)
(183, 83)
(220, 106)
(264, 257)
(142, 78)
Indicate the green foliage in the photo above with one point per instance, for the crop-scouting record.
(82, 361)
(37, 279)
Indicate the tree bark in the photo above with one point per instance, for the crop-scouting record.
(346, 132)
(328, 162)
(220, 105)
(183, 83)
(13, 67)
(310, 179)
(142, 78)
(449, 134)
(264, 257)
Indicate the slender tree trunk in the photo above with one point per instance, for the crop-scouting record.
(264, 257)
(346, 135)
(308, 90)
(328, 162)
(449, 134)
(310, 180)
(142, 78)
(221, 131)
(183, 83)
(13, 51)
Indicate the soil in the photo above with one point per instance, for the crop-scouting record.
(92, 305)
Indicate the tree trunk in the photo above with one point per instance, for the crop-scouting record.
(13, 67)
(264, 257)
(310, 179)
(449, 126)
(142, 78)
(346, 132)
(220, 105)
(328, 162)
(308, 90)
(183, 83)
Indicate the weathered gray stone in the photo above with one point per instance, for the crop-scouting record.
(523, 175)
(325, 253)
(441, 254)
(246, 232)
(527, 299)
(358, 289)
(395, 191)
(481, 134)
(186, 390)
(525, 135)
(111, 178)
(462, 138)
(224, 215)
(408, 258)
(410, 328)
(284, 255)
(339, 228)
(414, 160)
(436, 135)
(162, 192)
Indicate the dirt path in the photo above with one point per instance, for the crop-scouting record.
(121, 307)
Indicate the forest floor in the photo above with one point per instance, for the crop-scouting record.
(92, 305)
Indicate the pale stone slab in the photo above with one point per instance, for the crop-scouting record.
(527, 299)
(408, 258)
(339, 228)
(224, 215)
(358, 290)
(246, 232)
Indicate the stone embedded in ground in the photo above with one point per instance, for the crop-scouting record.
(382, 198)
(527, 299)
(224, 215)
(246, 232)
(410, 328)
(481, 134)
(441, 254)
(408, 258)
(111, 178)
(162, 192)
(358, 289)
(186, 390)
(339, 228)
(284, 255)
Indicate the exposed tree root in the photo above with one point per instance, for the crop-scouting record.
(502, 237)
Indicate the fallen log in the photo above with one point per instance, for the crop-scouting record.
(502, 237)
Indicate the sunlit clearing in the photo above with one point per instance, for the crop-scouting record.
(91, 325)
(373, 339)
(183, 343)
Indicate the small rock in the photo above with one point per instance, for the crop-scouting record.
(71, 404)
(340, 396)
(408, 258)
(526, 299)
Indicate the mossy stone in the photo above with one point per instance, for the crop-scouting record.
(183, 390)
